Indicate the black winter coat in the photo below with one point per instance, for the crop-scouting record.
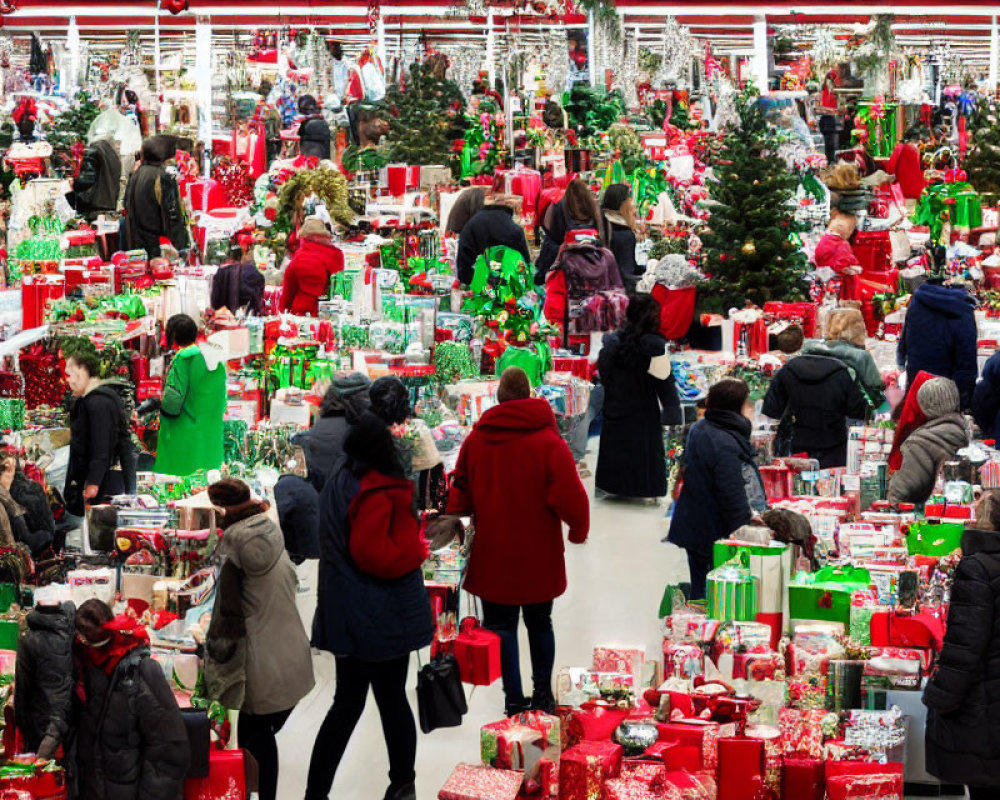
(94, 423)
(133, 744)
(722, 487)
(43, 680)
(556, 225)
(153, 209)
(358, 615)
(298, 514)
(491, 226)
(963, 696)
(239, 285)
(986, 398)
(323, 445)
(39, 524)
(631, 461)
(813, 396)
(314, 137)
(97, 187)
(939, 337)
(622, 246)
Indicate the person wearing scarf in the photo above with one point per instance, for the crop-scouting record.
(618, 218)
(132, 742)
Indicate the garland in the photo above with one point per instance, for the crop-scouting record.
(329, 185)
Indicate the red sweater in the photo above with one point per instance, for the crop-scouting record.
(307, 276)
(515, 475)
(386, 540)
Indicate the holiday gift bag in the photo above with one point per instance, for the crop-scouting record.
(732, 592)
(770, 564)
(803, 778)
(934, 538)
(801, 733)
(477, 652)
(226, 778)
(826, 594)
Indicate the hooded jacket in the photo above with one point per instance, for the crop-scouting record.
(491, 226)
(38, 520)
(924, 450)
(307, 276)
(813, 396)
(939, 337)
(621, 243)
(371, 602)
(152, 209)
(98, 185)
(278, 662)
(43, 680)
(986, 398)
(722, 488)
(297, 502)
(963, 696)
(858, 361)
(517, 556)
(191, 412)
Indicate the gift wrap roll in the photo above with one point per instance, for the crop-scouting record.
(843, 684)
(732, 594)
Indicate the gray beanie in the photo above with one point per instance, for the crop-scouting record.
(937, 397)
(348, 393)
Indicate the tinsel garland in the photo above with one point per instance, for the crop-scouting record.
(827, 51)
(465, 62)
(677, 47)
(234, 176)
(12, 414)
(453, 362)
(556, 60)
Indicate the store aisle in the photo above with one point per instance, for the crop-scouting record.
(615, 584)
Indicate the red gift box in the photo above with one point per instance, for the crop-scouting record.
(596, 722)
(697, 742)
(41, 785)
(803, 778)
(35, 294)
(521, 742)
(474, 782)
(863, 780)
(628, 660)
(629, 789)
(802, 313)
(477, 652)
(896, 630)
(741, 761)
(226, 778)
(585, 767)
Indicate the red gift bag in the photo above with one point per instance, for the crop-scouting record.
(477, 652)
(226, 778)
(40, 786)
(803, 778)
(676, 309)
(802, 313)
(741, 761)
(36, 292)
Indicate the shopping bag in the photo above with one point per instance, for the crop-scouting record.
(440, 698)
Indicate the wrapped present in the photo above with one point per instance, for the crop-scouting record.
(585, 767)
(613, 658)
(772, 696)
(576, 686)
(882, 733)
(771, 564)
(807, 692)
(597, 721)
(826, 594)
(732, 592)
(770, 735)
(650, 773)
(629, 789)
(923, 630)
(475, 782)
(803, 778)
(801, 732)
(226, 778)
(934, 538)
(29, 781)
(700, 736)
(546, 783)
(680, 785)
(863, 780)
(741, 764)
(521, 742)
(682, 660)
(477, 652)
(758, 666)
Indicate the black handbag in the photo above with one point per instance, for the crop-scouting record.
(440, 696)
(199, 741)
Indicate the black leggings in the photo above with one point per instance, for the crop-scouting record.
(387, 680)
(256, 735)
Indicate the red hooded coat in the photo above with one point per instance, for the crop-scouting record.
(307, 276)
(516, 477)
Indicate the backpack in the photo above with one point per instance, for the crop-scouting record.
(595, 298)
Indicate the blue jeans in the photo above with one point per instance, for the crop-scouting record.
(502, 620)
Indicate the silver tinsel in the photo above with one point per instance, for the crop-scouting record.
(608, 50)
(555, 52)
(464, 64)
(678, 47)
(627, 75)
(827, 51)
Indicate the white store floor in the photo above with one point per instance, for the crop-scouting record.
(616, 581)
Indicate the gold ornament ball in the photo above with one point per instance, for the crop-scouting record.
(749, 248)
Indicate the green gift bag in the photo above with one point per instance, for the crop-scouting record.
(934, 538)
(8, 596)
(732, 592)
(10, 634)
(826, 595)
(535, 360)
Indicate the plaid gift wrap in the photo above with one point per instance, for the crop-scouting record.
(521, 742)
(474, 782)
(585, 767)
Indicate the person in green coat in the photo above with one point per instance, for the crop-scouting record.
(193, 404)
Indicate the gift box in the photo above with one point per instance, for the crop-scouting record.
(697, 740)
(732, 593)
(826, 594)
(474, 782)
(689, 786)
(477, 652)
(546, 784)
(803, 778)
(628, 789)
(576, 686)
(922, 630)
(613, 658)
(226, 778)
(585, 767)
(801, 732)
(741, 764)
(682, 660)
(29, 781)
(934, 538)
(863, 780)
(521, 742)
(770, 564)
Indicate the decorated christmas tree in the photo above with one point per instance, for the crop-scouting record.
(424, 116)
(983, 161)
(749, 254)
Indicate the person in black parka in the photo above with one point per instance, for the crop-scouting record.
(493, 225)
(640, 397)
(314, 132)
(98, 185)
(152, 207)
(238, 284)
(618, 216)
(963, 697)
(813, 397)
(132, 741)
(43, 680)
(297, 502)
(939, 336)
(722, 488)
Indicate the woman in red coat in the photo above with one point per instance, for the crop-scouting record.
(516, 477)
(307, 276)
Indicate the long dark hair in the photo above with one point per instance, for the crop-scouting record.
(370, 446)
(615, 196)
(579, 202)
(641, 319)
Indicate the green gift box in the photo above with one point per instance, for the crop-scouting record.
(732, 591)
(826, 595)
(934, 538)
(10, 634)
(8, 596)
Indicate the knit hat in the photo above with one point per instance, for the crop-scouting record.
(937, 397)
(514, 385)
(234, 498)
(348, 391)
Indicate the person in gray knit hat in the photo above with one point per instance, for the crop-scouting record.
(930, 445)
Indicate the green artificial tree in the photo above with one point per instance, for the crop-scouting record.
(70, 127)
(748, 251)
(983, 161)
(424, 117)
(591, 109)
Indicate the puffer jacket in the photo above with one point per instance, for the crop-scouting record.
(132, 742)
(858, 361)
(43, 680)
(278, 660)
(31, 496)
(963, 697)
(986, 398)
(933, 443)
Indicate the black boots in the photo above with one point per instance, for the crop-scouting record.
(404, 791)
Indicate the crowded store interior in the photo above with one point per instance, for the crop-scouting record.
(495, 399)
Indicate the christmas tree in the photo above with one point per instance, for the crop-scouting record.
(424, 116)
(983, 161)
(72, 125)
(749, 254)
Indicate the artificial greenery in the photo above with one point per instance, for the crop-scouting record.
(605, 15)
(983, 161)
(329, 185)
(73, 124)
(424, 117)
(591, 109)
(627, 144)
(748, 251)
(872, 56)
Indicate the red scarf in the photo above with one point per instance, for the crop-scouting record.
(125, 634)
